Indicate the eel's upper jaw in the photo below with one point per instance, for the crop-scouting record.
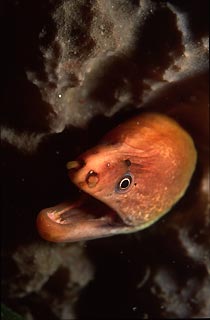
(69, 222)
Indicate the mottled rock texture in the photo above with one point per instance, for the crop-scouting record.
(72, 70)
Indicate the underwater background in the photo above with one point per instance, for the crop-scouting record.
(72, 70)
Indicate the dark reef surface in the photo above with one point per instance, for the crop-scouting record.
(71, 71)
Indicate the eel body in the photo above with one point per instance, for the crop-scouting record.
(134, 176)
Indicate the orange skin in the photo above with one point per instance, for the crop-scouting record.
(138, 172)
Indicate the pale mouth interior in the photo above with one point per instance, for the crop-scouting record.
(87, 210)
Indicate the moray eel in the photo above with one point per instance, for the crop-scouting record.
(134, 176)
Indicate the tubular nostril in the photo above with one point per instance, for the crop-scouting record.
(77, 164)
(92, 179)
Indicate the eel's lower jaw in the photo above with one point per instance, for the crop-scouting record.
(82, 220)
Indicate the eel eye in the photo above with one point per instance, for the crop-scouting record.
(125, 183)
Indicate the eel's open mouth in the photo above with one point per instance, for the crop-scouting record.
(82, 220)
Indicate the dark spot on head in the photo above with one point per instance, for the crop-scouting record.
(127, 162)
